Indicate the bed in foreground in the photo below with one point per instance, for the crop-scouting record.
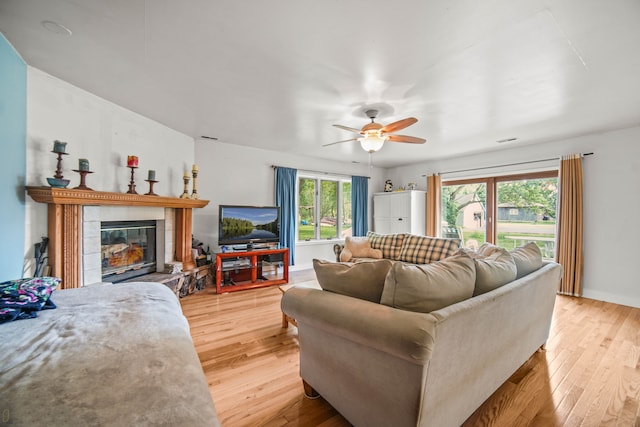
(108, 355)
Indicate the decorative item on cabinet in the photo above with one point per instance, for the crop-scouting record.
(388, 185)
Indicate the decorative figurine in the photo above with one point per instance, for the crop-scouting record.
(388, 186)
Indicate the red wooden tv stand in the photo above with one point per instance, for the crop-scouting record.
(236, 271)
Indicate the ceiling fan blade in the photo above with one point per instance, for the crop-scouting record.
(348, 128)
(400, 124)
(405, 138)
(338, 142)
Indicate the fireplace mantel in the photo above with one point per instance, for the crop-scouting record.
(65, 224)
(65, 196)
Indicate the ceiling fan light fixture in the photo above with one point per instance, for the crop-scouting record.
(372, 142)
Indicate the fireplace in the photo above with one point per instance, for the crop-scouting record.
(128, 249)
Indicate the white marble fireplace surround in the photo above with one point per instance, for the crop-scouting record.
(92, 216)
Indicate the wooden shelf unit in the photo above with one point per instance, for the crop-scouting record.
(247, 272)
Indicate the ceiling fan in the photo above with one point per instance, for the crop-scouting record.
(374, 134)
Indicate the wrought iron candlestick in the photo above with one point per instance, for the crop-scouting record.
(194, 171)
(132, 184)
(185, 193)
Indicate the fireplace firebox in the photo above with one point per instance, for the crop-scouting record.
(128, 249)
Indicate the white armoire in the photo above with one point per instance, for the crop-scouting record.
(399, 212)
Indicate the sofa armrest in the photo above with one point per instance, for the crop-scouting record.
(404, 334)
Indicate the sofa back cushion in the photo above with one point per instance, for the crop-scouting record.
(528, 259)
(358, 247)
(363, 280)
(389, 244)
(425, 249)
(429, 287)
(495, 267)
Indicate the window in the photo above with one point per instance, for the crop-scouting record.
(507, 211)
(324, 207)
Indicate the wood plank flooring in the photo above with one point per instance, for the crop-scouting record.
(589, 375)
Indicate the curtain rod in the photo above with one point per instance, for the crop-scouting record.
(508, 164)
(319, 172)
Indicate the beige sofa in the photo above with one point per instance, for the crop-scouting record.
(384, 366)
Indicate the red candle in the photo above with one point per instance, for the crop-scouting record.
(132, 161)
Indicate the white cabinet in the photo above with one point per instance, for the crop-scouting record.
(399, 212)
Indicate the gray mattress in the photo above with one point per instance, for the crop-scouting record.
(116, 355)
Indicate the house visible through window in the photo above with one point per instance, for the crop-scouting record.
(324, 207)
(507, 211)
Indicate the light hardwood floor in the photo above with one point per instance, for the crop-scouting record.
(589, 375)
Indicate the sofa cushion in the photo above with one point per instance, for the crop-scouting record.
(389, 244)
(358, 247)
(363, 280)
(424, 249)
(528, 259)
(429, 287)
(495, 267)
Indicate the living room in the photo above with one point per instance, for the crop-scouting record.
(99, 127)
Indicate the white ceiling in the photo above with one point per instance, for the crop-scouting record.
(277, 74)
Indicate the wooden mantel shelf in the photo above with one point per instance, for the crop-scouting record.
(65, 224)
(68, 196)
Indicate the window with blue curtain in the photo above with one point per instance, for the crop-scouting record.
(359, 204)
(286, 199)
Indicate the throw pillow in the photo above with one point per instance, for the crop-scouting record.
(424, 249)
(495, 267)
(389, 244)
(363, 280)
(358, 247)
(429, 287)
(528, 259)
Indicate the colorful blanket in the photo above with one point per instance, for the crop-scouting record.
(23, 298)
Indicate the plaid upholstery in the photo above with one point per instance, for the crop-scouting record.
(389, 244)
(424, 250)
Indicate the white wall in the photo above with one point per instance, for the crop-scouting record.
(103, 133)
(611, 202)
(231, 174)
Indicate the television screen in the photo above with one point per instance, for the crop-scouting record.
(248, 224)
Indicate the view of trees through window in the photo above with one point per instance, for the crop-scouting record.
(324, 208)
(507, 211)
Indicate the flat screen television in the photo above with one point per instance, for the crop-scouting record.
(248, 225)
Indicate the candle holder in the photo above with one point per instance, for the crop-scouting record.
(58, 180)
(185, 192)
(132, 183)
(58, 174)
(151, 182)
(194, 193)
(83, 175)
